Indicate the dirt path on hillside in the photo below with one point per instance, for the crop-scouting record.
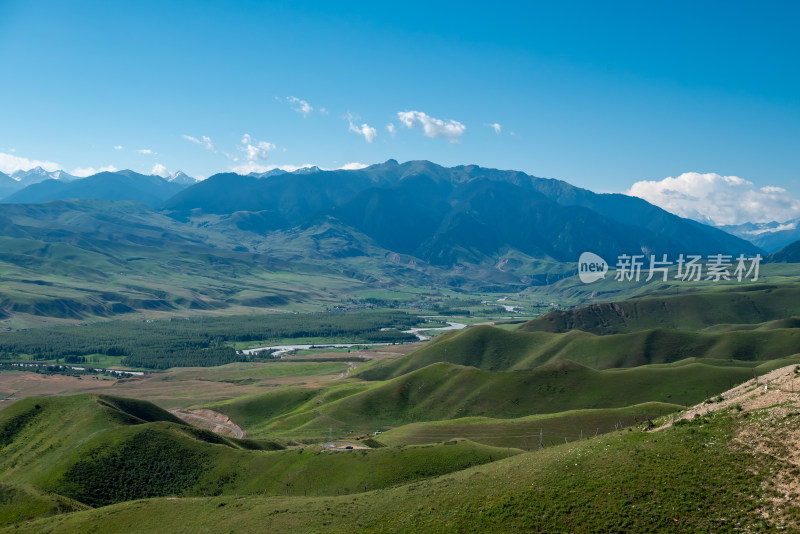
(210, 420)
(345, 446)
(776, 387)
(769, 426)
(347, 371)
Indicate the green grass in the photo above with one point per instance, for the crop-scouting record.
(99, 450)
(729, 304)
(21, 503)
(571, 292)
(252, 412)
(251, 372)
(493, 349)
(524, 433)
(38, 426)
(685, 479)
(445, 391)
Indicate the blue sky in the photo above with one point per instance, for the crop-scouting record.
(601, 94)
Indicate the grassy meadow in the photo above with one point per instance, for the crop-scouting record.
(538, 426)
(686, 479)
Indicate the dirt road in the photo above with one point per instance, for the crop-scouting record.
(346, 372)
(211, 420)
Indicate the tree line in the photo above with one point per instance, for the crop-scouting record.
(203, 342)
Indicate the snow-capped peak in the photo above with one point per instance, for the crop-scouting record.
(38, 174)
(181, 177)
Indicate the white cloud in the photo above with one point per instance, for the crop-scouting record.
(145, 151)
(82, 172)
(118, 147)
(205, 142)
(772, 229)
(719, 200)
(252, 166)
(391, 129)
(449, 130)
(256, 150)
(496, 127)
(300, 106)
(365, 130)
(354, 166)
(10, 163)
(159, 170)
(208, 144)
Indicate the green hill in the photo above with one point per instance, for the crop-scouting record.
(686, 311)
(526, 432)
(494, 349)
(99, 450)
(21, 503)
(691, 478)
(444, 391)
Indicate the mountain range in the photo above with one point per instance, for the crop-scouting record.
(122, 185)
(233, 240)
(449, 216)
(771, 236)
(250, 194)
(39, 185)
(20, 179)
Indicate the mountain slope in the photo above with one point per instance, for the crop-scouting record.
(122, 185)
(492, 349)
(443, 391)
(294, 196)
(100, 450)
(445, 223)
(694, 237)
(8, 185)
(449, 215)
(771, 236)
(789, 254)
(387, 226)
(691, 311)
(38, 174)
(85, 258)
(708, 475)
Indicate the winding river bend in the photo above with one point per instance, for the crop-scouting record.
(422, 337)
(280, 350)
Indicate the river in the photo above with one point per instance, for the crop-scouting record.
(280, 350)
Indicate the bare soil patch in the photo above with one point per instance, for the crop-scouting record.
(768, 409)
(210, 420)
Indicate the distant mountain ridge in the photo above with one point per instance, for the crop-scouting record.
(464, 214)
(20, 179)
(444, 216)
(119, 185)
(38, 174)
(72, 248)
(772, 236)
